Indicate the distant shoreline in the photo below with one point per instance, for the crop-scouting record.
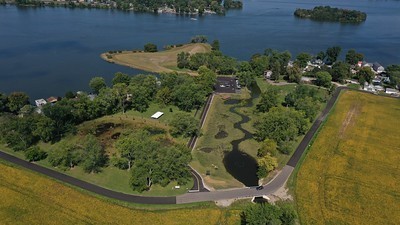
(110, 5)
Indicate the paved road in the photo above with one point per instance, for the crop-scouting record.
(269, 188)
(198, 185)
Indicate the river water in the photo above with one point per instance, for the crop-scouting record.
(48, 51)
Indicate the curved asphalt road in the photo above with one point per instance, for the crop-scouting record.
(269, 188)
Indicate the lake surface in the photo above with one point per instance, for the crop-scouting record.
(48, 51)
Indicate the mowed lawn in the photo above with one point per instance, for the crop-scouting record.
(29, 198)
(351, 174)
(157, 62)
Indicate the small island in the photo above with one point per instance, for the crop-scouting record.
(327, 13)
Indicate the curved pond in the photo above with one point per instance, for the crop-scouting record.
(239, 164)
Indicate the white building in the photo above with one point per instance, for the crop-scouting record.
(40, 102)
(157, 115)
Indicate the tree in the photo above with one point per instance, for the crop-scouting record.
(129, 145)
(17, 132)
(269, 99)
(44, 128)
(302, 59)
(245, 66)
(65, 155)
(321, 55)
(69, 94)
(3, 102)
(199, 39)
(288, 216)
(323, 79)
(309, 106)
(96, 84)
(294, 73)
(183, 60)
(340, 71)
(263, 213)
(365, 74)
(93, 155)
(150, 47)
(188, 96)
(266, 164)
(393, 72)
(276, 70)
(246, 78)
(16, 101)
(206, 79)
(333, 53)
(26, 110)
(121, 78)
(121, 93)
(155, 164)
(259, 64)
(164, 96)
(281, 125)
(183, 124)
(34, 154)
(62, 115)
(352, 57)
(140, 99)
(268, 147)
(215, 45)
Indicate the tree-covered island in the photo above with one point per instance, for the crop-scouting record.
(327, 13)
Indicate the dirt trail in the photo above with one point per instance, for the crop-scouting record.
(355, 109)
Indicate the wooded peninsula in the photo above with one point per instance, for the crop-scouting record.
(327, 13)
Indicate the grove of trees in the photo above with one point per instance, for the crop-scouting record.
(265, 213)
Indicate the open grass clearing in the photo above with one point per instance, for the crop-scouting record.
(157, 62)
(29, 198)
(350, 174)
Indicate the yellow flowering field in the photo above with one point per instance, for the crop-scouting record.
(29, 198)
(351, 174)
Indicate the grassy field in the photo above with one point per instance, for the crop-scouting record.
(351, 174)
(157, 62)
(29, 198)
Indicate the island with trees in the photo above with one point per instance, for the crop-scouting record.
(330, 14)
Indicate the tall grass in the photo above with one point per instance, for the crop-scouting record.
(351, 173)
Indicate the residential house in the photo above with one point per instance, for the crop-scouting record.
(52, 100)
(378, 68)
(40, 102)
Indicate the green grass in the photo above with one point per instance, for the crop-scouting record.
(350, 173)
(354, 86)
